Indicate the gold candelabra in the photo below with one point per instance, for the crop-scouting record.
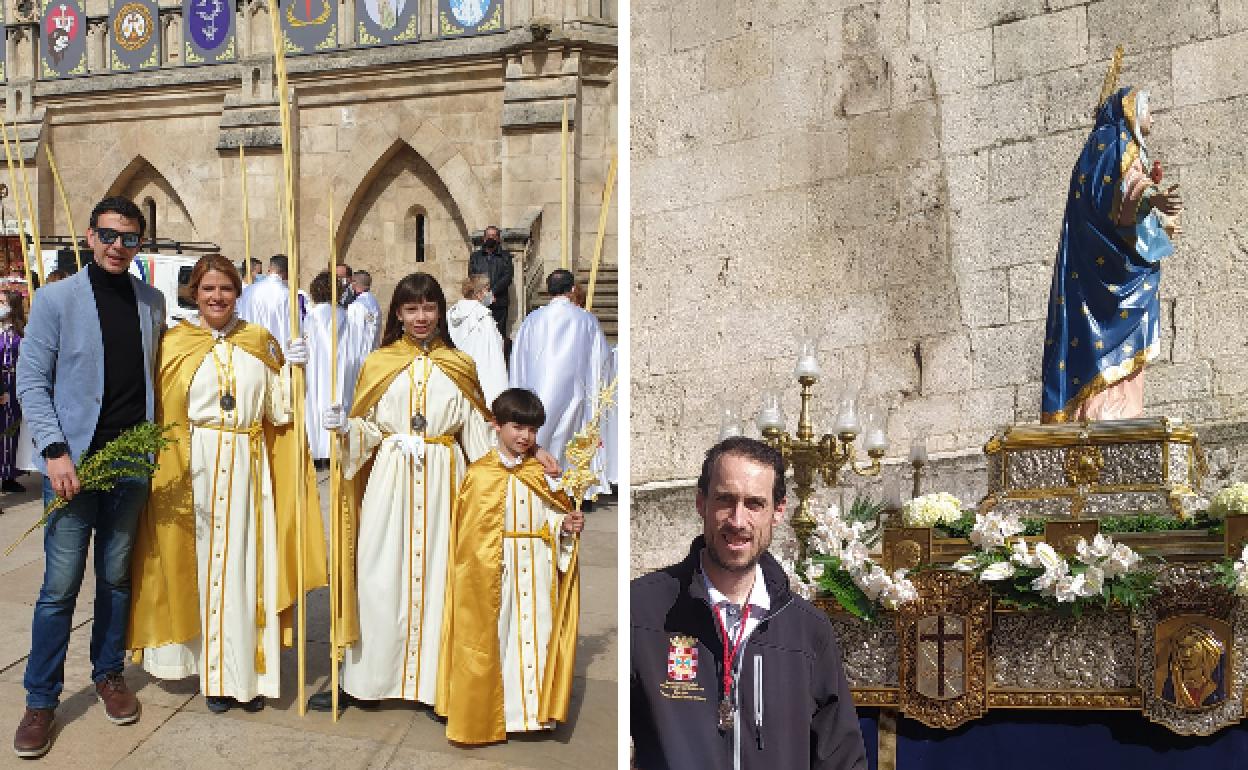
(813, 457)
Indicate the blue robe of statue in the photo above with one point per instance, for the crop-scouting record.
(1104, 320)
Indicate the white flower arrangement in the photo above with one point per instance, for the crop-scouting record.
(1102, 571)
(932, 510)
(840, 564)
(1229, 501)
(1241, 573)
(1234, 573)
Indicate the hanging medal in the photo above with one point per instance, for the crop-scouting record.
(225, 379)
(727, 699)
(417, 396)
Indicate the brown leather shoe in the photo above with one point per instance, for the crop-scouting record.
(34, 734)
(121, 705)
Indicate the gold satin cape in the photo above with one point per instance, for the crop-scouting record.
(471, 679)
(380, 369)
(164, 571)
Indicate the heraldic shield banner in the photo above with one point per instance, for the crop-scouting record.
(309, 25)
(62, 39)
(469, 17)
(135, 33)
(382, 22)
(208, 29)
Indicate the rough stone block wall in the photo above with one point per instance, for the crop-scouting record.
(892, 175)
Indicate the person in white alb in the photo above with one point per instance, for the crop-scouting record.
(266, 301)
(474, 332)
(365, 311)
(317, 329)
(561, 354)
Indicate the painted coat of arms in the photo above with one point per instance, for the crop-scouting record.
(682, 659)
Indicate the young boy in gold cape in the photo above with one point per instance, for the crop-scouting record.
(515, 591)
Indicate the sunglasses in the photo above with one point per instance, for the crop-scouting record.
(109, 236)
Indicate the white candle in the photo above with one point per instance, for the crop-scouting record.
(770, 417)
(807, 366)
(847, 420)
(892, 494)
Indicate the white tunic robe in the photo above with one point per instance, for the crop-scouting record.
(267, 302)
(473, 330)
(316, 329)
(224, 655)
(560, 353)
(367, 313)
(611, 421)
(529, 584)
(404, 530)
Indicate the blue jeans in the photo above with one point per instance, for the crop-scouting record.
(114, 516)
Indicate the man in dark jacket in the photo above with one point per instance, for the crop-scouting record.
(730, 669)
(493, 261)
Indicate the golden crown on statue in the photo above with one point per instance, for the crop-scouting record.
(582, 447)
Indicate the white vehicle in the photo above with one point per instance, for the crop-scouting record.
(170, 273)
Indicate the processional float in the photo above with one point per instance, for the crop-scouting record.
(1092, 577)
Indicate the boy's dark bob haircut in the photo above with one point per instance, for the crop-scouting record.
(519, 406)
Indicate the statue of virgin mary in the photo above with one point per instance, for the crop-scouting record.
(1104, 321)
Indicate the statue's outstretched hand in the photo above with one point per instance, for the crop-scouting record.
(1169, 202)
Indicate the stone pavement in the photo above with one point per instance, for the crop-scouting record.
(177, 730)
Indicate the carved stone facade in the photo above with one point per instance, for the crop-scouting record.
(433, 139)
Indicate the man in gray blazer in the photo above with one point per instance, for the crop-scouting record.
(84, 376)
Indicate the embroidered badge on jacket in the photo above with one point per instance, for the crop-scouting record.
(682, 659)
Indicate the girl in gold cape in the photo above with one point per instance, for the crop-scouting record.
(417, 419)
(214, 565)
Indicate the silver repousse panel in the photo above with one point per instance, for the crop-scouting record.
(1132, 464)
(1045, 651)
(870, 650)
(1035, 469)
(1127, 502)
(1051, 507)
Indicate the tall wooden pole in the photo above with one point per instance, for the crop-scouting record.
(69, 216)
(602, 232)
(31, 208)
(17, 203)
(242, 166)
(565, 248)
(296, 373)
(335, 537)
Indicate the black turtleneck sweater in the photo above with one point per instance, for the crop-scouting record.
(124, 404)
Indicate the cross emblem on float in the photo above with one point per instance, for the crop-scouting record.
(941, 661)
(942, 640)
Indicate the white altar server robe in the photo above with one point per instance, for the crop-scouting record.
(403, 549)
(530, 582)
(560, 353)
(473, 331)
(611, 420)
(224, 654)
(367, 313)
(316, 329)
(267, 302)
